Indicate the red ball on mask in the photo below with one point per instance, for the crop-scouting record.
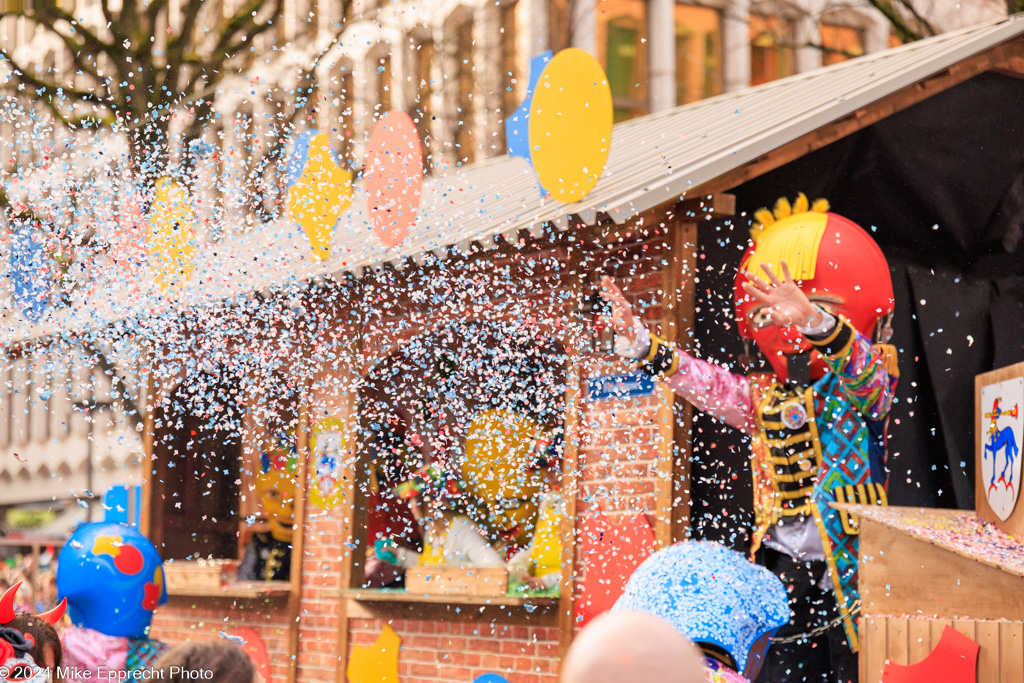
(833, 260)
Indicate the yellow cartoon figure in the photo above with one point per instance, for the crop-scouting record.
(268, 555)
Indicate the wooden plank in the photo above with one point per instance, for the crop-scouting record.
(301, 491)
(684, 253)
(920, 637)
(148, 436)
(900, 574)
(570, 466)
(457, 581)
(1011, 651)
(966, 627)
(897, 640)
(987, 636)
(345, 511)
(862, 118)
(707, 207)
(872, 657)
(399, 595)
(532, 615)
(938, 626)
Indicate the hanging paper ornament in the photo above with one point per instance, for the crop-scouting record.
(320, 193)
(571, 125)
(172, 235)
(377, 663)
(327, 445)
(393, 177)
(611, 553)
(31, 274)
(128, 243)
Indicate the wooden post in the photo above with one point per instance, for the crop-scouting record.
(347, 509)
(570, 464)
(301, 491)
(148, 436)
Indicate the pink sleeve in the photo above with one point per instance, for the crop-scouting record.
(715, 390)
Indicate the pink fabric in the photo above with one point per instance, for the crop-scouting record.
(715, 390)
(89, 650)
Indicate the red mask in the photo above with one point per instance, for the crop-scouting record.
(846, 274)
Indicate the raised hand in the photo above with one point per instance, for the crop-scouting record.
(621, 318)
(786, 303)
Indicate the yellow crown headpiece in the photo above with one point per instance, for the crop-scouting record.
(790, 233)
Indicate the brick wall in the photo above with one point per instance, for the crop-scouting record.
(436, 651)
(182, 620)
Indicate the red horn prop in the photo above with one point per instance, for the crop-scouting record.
(54, 615)
(7, 603)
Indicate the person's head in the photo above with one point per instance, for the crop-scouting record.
(275, 489)
(634, 647)
(837, 265)
(113, 579)
(46, 650)
(216, 660)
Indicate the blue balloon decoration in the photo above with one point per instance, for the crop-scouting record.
(29, 275)
(711, 595)
(517, 126)
(490, 678)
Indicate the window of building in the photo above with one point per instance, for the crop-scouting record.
(423, 57)
(339, 100)
(559, 24)
(622, 49)
(698, 53)
(465, 144)
(772, 53)
(840, 43)
(383, 85)
(513, 86)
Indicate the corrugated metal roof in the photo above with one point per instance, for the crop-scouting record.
(652, 160)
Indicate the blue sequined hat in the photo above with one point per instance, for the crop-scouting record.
(714, 596)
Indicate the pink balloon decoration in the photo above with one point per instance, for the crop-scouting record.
(393, 177)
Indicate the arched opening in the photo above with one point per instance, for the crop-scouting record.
(197, 452)
(448, 398)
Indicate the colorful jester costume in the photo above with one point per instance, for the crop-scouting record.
(818, 423)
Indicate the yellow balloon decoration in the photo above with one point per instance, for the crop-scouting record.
(172, 235)
(327, 444)
(320, 195)
(377, 663)
(571, 125)
(498, 447)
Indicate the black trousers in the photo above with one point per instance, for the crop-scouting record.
(825, 658)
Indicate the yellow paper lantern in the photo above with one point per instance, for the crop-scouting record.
(172, 235)
(571, 125)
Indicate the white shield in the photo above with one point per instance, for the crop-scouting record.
(1001, 427)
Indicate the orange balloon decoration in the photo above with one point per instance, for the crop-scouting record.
(393, 177)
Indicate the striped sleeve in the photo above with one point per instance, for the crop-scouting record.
(859, 367)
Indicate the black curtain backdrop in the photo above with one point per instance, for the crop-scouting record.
(941, 187)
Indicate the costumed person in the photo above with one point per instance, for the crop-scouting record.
(38, 629)
(113, 579)
(717, 598)
(15, 660)
(632, 647)
(538, 566)
(268, 554)
(450, 537)
(814, 293)
(503, 449)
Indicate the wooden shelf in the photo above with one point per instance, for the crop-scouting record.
(400, 604)
(401, 595)
(239, 590)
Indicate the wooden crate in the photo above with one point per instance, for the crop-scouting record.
(456, 581)
(184, 575)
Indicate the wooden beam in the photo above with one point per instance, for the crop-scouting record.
(301, 491)
(345, 511)
(866, 116)
(707, 207)
(149, 423)
(570, 462)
